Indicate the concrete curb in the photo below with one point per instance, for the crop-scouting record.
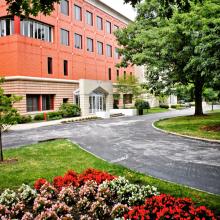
(182, 135)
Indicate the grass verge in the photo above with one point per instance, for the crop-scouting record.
(193, 125)
(49, 159)
(155, 110)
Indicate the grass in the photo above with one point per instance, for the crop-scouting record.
(54, 158)
(155, 110)
(192, 125)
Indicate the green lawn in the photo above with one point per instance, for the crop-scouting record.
(192, 126)
(155, 110)
(55, 158)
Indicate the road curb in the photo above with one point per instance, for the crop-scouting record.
(182, 135)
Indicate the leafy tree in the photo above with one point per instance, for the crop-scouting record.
(183, 49)
(210, 95)
(185, 93)
(8, 114)
(129, 85)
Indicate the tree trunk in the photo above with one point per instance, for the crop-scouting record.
(1, 150)
(198, 96)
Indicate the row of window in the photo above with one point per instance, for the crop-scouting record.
(90, 44)
(6, 27)
(64, 6)
(65, 69)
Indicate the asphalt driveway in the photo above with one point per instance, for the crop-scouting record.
(134, 143)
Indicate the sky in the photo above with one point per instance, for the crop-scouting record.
(119, 6)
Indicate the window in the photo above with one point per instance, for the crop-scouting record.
(90, 45)
(78, 13)
(78, 41)
(65, 100)
(33, 103)
(77, 100)
(64, 39)
(99, 22)
(65, 68)
(37, 30)
(89, 18)
(117, 56)
(124, 74)
(47, 102)
(127, 98)
(6, 27)
(109, 50)
(99, 48)
(115, 27)
(117, 74)
(109, 73)
(64, 7)
(49, 65)
(108, 27)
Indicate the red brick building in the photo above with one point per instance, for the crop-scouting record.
(69, 56)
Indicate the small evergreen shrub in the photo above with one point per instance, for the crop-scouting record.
(69, 110)
(54, 115)
(39, 117)
(22, 119)
(140, 105)
(164, 106)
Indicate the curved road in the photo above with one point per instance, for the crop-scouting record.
(132, 142)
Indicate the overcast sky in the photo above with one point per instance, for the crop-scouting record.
(119, 5)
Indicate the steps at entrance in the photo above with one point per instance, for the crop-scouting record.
(117, 115)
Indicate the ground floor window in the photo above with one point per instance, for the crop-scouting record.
(127, 98)
(36, 103)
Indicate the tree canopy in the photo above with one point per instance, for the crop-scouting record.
(183, 49)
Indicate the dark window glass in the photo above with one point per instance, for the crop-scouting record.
(90, 45)
(47, 102)
(78, 13)
(127, 98)
(32, 103)
(65, 68)
(109, 50)
(108, 27)
(117, 74)
(64, 39)
(64, 7)
(109, 73)
(50, 65)
(99, 48)
(65, 100)
(6, 27)
(78, 41)
(89, 18)
(99, 22)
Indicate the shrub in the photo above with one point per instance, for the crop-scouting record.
(39, 117)
(69, 110)
(54, 115)
(164, 106)
(140, 104)
(22, 119)
(167, 207)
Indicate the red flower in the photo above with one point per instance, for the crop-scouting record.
(39, 183)
(58, 182)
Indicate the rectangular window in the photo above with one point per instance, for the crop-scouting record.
(37, 30)
(127, 98)
(47, 102)
(64, 37)
(109, 50)
(90, 47)
(65, 68)
(99, 48)
(78, 12)
(64, 7)
(108, 27)
(65, 100)
(89, 18)
(6, 27)
(78, 41)
(117, 56)
(49, 65)
(33, 103)
(115, 27)
(109, 73)
(99, 22)
(117, 74)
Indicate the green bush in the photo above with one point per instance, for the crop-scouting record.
(69, 110)
(54, 115)
(164, 106)
(22, 119)
(39, 117)
(140, 104)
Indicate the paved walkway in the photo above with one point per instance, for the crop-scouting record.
(133, 143)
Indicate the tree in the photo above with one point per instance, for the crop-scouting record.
(210, 96)
(128, 85)
(34, 7)
(8, 114)
(183, 49)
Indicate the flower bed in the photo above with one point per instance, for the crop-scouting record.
(94, 195)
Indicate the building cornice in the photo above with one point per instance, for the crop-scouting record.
(107, 9)
(39, 79)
